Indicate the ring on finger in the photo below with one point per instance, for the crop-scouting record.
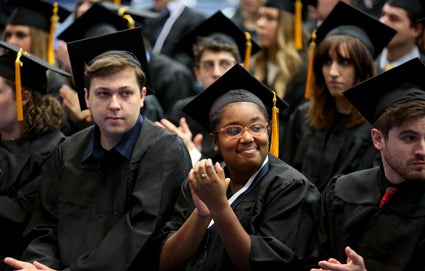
(203, 175)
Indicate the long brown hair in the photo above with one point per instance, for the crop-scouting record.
(322, 109)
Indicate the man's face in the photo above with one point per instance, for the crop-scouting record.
(403, 152)
(115, 101)
(398, 19)
(212, 65)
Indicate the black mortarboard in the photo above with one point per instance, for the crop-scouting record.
(33, 69)
(236, 78)
(30, 72)
(97, 15)
(345, 19)
(289, 5)
(398, 85)
(415, 8)
(218, 23)
(138, 15)
(36, 14)
(127, 43)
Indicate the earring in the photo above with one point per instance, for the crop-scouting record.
(216, 148)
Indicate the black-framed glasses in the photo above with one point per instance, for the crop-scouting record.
(236, 131)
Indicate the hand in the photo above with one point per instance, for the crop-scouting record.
(61, 53)
(72, 105)
(184, 132)
(210, 190)
(355, 262)
(25, 266)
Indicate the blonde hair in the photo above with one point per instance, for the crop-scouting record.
(289, 59)
(39, 42)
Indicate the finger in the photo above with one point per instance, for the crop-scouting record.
(12, 262)
(41, 266)
(169, 125)
(197, 140)
(354, 257)
(219, 170)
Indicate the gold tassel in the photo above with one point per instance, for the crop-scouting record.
(19, 107)
(53, 20)
(307, 93)
(117, 2)
(298, 24)
(130, 21)
(248, 48)
(274, 145)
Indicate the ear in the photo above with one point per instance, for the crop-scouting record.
(86, 97)
(378, 139)
(142, 96)
(26, 96)
(196, 72)
(214, 141)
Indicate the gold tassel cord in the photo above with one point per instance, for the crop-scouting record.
(53, 20)
(248, 50)
(298, 24)
(19, 107)
(274, 145)
(117, 2)
(308, 84)
(130, 21)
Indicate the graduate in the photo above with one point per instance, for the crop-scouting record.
(327, 135)
(253, 211)
(30, 122)
(374, 219)
(108, 188)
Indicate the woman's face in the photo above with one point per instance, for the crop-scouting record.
(338, 72)
(247, 151)
(7, 107)
(267, 26)
(18, 35)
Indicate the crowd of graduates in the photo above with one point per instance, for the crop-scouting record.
(287, 136)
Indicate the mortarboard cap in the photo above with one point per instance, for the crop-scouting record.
(138, 15)
(398, 85)
(236, 78)
(127, 43)
(25, 70)
(415, 8)
(217, 24)
(96, 15)
(345, 19)
(36, 14)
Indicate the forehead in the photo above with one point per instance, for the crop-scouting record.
(415, 125)
(213, 55)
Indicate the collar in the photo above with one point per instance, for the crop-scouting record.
(124, 147)
(383, 61)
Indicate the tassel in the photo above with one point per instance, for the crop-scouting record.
(130, 21)
(19, 107)
(307, 93)
(298, 32)
(274, 145)
(54, 19)
(117, 2)
(248, 48)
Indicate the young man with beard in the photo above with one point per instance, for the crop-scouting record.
(375, 219)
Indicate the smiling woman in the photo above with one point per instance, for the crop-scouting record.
(241, 214)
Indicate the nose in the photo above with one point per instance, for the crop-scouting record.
(333, 69)
(246, 135)
(217, 71)
(114, 102)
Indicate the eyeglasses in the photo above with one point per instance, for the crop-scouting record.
(224, 65)
(236, 131)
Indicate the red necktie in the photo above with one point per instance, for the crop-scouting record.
(389, 192)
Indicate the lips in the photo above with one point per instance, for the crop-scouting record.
(247, 150)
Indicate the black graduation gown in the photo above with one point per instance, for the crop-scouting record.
(389, 239)
(279, 214)
(20, 163)
(100, 214)
(322, 154)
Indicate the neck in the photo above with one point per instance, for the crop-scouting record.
(394, 53)
(343, 106)
(13, 133)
